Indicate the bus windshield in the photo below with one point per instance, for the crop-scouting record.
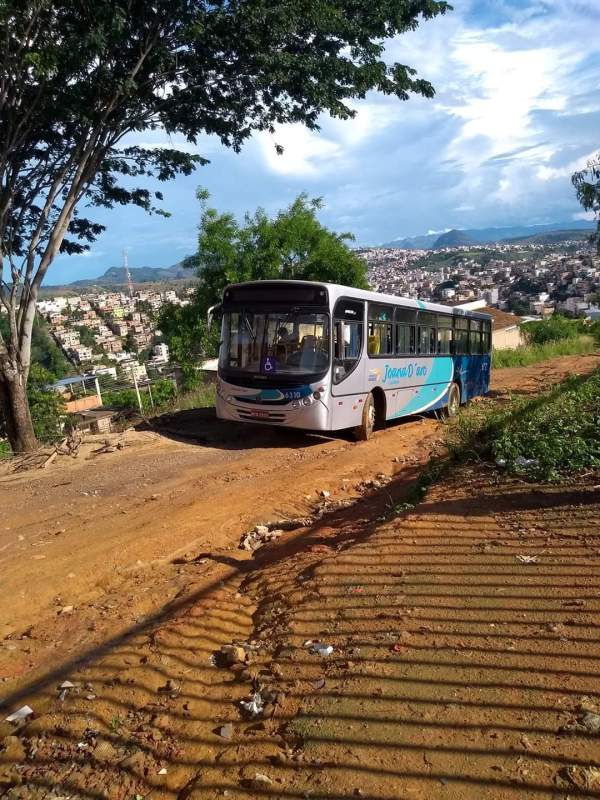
(275, 342)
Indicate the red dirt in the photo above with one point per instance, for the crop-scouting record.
(455, 666)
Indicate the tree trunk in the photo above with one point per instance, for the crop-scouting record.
(15, 410)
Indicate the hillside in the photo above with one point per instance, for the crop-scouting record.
(488, 235)
(554, 237)
(453, 238)
(115, 276)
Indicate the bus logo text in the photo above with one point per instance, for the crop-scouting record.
(395, 373)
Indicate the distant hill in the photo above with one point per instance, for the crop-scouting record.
(571, 235)
(488, 235)
(115, 276)
(453, 238)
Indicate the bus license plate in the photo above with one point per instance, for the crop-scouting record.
(259, 414)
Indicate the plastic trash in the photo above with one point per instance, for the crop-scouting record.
(226, 731)
(321, 649)
(527, 559)
(254, 705)
(20, 715)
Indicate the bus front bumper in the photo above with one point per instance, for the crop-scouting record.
(309, 417)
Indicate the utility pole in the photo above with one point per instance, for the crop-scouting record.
(137, 391)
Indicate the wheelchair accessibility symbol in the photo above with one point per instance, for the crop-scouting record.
(268, 365)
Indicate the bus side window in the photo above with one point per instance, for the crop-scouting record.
(461, 336)
(426, 340)
(406, 330)
(475, 336)
(405, 340)
(347, 347)
(380, 330)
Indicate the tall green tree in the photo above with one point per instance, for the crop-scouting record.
(77, 77)
(587, 186)
(291, 245)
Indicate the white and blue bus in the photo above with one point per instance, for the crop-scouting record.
(324, 357)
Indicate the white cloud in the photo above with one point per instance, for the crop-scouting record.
(589, 216)
(311, 153)
(305, 153)
(566, 170)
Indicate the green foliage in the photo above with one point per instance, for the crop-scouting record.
(125, 399)
(518, 307)
(46, 406)
(533, 354)
(44, 350)
(86, 335)
(163, 392)
(291, 245)
(190, 341)
(587, 186)
(553, 329)
(164, 395)
(553, 434)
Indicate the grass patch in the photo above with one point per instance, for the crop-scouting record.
(532, 354)
(202, 397)
(547, 437)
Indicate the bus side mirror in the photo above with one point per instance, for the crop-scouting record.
(211, 313)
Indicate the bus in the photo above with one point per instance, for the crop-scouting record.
(325, 357)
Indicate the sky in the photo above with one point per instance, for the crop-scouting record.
(516, 111)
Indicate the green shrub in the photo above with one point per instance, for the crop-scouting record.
(163, 392)
(553, 329)
(46, 406)
(553, 434)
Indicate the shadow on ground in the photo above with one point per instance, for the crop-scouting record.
(458, 671)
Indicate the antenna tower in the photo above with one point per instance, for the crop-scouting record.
(127, 273)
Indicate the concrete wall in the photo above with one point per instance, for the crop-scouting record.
(83, 404)
(507, 338)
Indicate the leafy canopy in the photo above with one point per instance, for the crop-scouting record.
(291, 245)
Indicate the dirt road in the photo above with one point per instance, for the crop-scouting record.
(455, 666)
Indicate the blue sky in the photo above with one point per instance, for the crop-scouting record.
(516, 111)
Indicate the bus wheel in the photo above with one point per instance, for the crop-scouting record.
(367, 426)
(453, 405)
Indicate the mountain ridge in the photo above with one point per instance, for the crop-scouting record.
(428, 241)
(116, 276)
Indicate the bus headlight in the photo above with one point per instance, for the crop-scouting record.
(295, 404)
(306, 401)
(317, 395)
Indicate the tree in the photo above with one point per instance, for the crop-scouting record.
(77, 78)
(587, 186)
(292, 245)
